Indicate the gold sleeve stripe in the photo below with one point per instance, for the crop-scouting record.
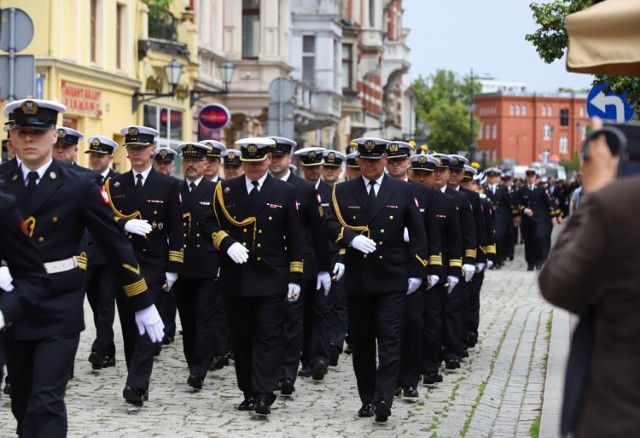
(134, 269)
(422, 261)
(176, 256)
(341, 235)
(295, 267)
(136, 288)
(491, 249)
(342, 251)
(218, 237)
(455, 263)
(82, 261)
(134, 215)
(435, 260)
(336, 208)
(470, 253)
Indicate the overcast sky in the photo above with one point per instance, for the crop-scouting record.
(487, 36)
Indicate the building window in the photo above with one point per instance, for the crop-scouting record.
(543, 111)
(563, 145)
(549, 110)
(583, 132)
(120, 14)
(564, 117)
(581, 111)
(495, 131)
(250, 28)
(487, 131)
(524, 110)
(93, 31)
(511, 110)
(347, 62)
(517, 110)
(480, 132)
(309, 59)
(546, 131)
(167, 121)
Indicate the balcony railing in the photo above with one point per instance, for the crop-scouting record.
(162, 24)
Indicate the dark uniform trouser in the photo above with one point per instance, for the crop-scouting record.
(412, 338)
(376, 317)
(501, 242)
(337, 317)
(471, 313)
(221, 339)
(195, 300)
(511, 238)
(169, 313)
(39, 372)
(101, 295)
(533, 233)
(255, 324)
(315, 344)
(433, 326)
(452, 321)
(138, 349)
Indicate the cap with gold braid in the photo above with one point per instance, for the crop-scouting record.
(101, 145)
(135, 135)
(333, 158)
(34, 113)
(371, 148)
(231, 157)
(255, 148)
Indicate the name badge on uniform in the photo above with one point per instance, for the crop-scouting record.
(276, 205)
(353, 206)
(205, 203)
(155, 201)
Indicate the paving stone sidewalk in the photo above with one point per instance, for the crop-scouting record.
(498, 391)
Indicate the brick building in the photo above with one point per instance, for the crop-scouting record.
(521, 127)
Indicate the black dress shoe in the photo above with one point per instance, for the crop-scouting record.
(319, 370)
(286, 387)
(167, 340)
(464, 353)
(430, 379)
(383, 410)
(411, 392)
(263, 404)
(135, 396)
(348, 349)
(472, 340)
(98, 361)
(218, 362)
(452, 364)
(157, 348)
(305, 371)
(334, 354)
(195, 381)
(7, 388)
(248, 404)
(398, 392)
(366, 410)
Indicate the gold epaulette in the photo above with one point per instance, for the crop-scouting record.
(356, 229)
(81, 259)
(177, 256)
(135, 215)
(187, 216)
(342, 251)
(470, 253)
(455, 263)
(248, 221)
(30, 225)
(422, 261)
(295, 267)
(435, 260)
(136, 288)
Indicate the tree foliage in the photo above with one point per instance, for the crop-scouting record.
(551, 40)
(443, 102)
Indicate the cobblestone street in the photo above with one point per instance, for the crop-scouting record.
(498, 391)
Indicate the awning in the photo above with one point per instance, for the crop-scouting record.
(605, 38)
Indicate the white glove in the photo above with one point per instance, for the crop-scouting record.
(338, 271)
(479, 267)
(6, 280)
(413, 285)
(489, 264)
(432, 281)
(468, 270)
(148, 320)
(405, 235)
(324, 281)
(1, 320)
(453, 281)
(171, 278)
(294, 292)
(140, 227)
(238, 253)
(363, 244)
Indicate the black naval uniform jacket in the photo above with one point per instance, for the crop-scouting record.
(64, 203)
(390, 265)
(539, 201)
(448, 221)
(481, 228)
(95, 257)
(467, 226)
(315, 242)
(201, 259)
(426, 201)
(159, 202)
(269, 228)
(19, 253)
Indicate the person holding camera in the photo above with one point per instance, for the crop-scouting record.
(593, 271)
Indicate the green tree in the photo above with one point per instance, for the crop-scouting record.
(443, 102)
(551, 40)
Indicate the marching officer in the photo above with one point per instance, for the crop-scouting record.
(368, 216)
(147, 206)
(500, 199)
(512, 230)
(304, 328)
(195, 289)
(255, 224)
(100, 284)
(58, 204)
(352, 171)
(13, 161)
(164, 161)
(214, 158)
(231, 163)
(332, 167)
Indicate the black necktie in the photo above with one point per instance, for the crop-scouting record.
(31, 184)
(372, 192)
(192, 187)
(254, 191)
(139, 181)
